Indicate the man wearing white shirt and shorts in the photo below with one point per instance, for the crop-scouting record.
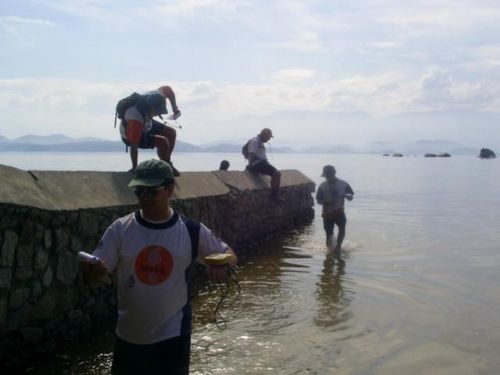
(152, 251)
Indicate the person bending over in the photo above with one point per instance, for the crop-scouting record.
(138, 129)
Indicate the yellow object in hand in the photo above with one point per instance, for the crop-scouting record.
(219, 259)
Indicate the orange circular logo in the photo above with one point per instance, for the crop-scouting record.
(153, 265)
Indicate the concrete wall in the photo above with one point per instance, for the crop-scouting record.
(46, 217)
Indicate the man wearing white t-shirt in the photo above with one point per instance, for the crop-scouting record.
(151, 252)
(258, 163)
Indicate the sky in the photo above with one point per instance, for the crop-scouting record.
(316, 72)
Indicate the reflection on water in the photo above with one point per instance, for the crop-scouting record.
(333, 299)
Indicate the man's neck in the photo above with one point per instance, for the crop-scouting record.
(157, 214)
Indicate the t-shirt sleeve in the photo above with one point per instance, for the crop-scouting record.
(209, 244)
(108, 247)
(348, 189)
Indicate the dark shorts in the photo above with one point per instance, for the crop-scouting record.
(340, 220)
(148, 139)
(263, 167)
(166, 357)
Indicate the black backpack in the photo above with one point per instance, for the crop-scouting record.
(126, 103)
(244, 150)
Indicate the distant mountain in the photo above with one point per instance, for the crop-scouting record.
(53, 139)
(221, 147)
(421, 147)
(63, 143)
(88, 144)
(429, 146)
(330, 149)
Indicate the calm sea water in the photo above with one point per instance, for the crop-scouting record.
(419, 294)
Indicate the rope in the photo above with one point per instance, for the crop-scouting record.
(224, 289)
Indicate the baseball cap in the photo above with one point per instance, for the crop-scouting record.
(267, 131)
(328, 170)
(152, 173)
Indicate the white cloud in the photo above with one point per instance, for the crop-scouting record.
(91, 9)
(16, 27)
(27, 21)
(230, 58)
(293, 75)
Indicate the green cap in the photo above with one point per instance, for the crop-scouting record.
(152, 173)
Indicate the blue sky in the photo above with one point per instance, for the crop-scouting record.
(342, 71)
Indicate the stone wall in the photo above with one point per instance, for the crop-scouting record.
(47, 217)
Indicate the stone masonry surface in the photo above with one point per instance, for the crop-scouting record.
(47, 217)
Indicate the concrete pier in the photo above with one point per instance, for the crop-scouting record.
(47, 217)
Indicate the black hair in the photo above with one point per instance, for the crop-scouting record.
(224, 165)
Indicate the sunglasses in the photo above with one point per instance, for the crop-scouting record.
(147, 191)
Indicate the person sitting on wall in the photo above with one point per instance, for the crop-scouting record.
(258, 163)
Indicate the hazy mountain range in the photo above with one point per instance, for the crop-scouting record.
(64, 143)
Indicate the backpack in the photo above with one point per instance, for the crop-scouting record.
(244, 150)
(126, 103)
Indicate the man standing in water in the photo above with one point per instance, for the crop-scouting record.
(257, 161)
(152, 251)
(331, 195)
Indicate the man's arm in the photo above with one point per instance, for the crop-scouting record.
(349, 193)
(209, 245)
(234, 258)
(220, 274)
(95, 273)
(168, 93)
(253, 146)
(319, 196)
(97, 267)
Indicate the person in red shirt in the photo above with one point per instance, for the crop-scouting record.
(139, 130)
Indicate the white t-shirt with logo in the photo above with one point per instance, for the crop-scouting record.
(151, 261)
